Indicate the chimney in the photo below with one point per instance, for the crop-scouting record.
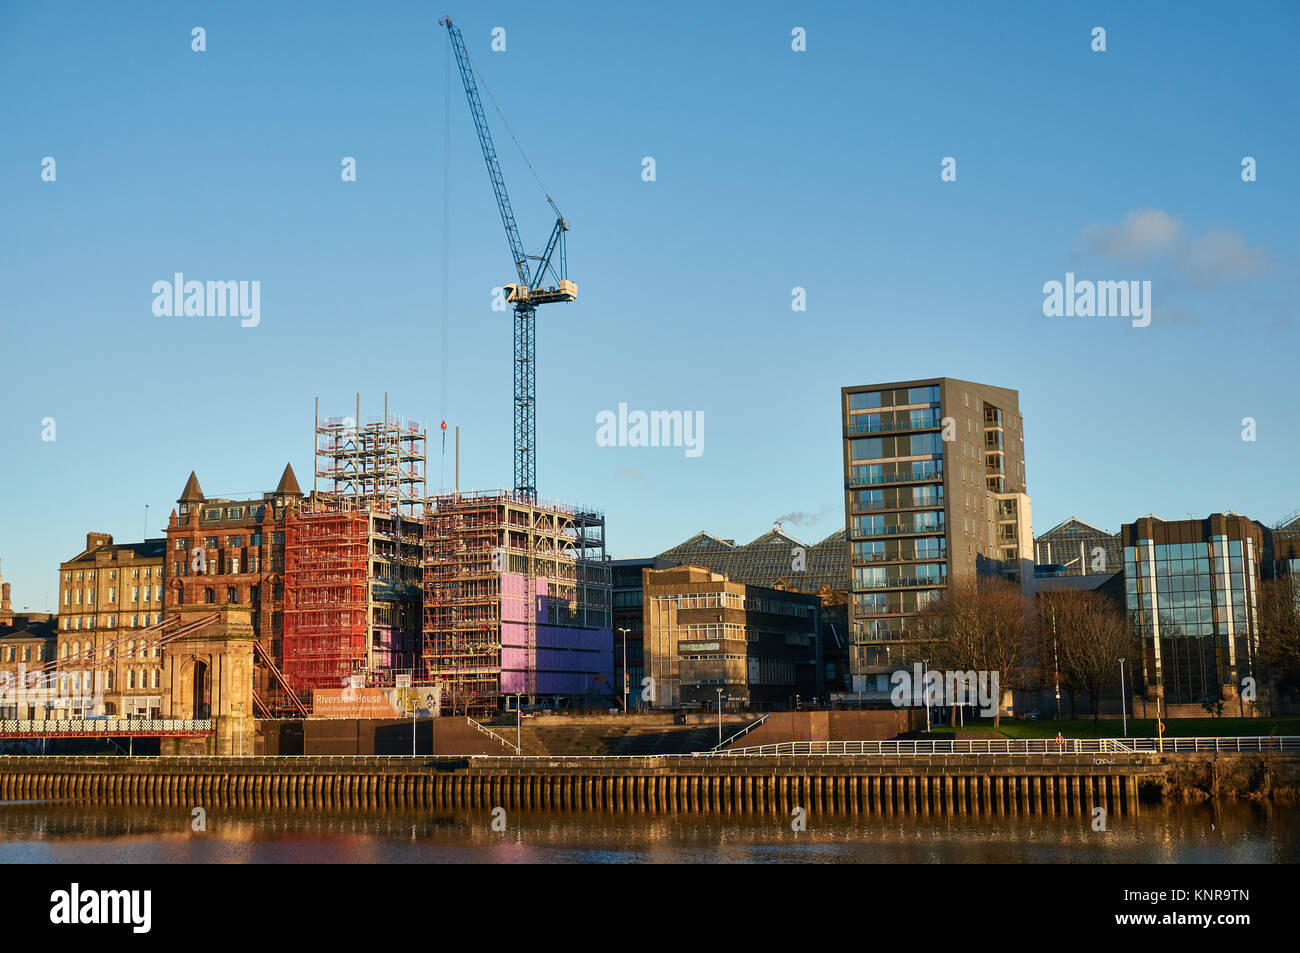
(95, 540)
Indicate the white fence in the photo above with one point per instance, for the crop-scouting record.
(1016, 746)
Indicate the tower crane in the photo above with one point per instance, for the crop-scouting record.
(526, 294)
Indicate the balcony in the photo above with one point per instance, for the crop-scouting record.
(901, 583)
(878, 479)
(898, 531)
(862, 425)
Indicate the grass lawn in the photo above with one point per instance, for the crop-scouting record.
(1137, 727)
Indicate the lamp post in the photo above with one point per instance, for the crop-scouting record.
(1123, 708)
(519, 724)
(925, 667)
(720, 694)
(625, 632)
(1056, 666)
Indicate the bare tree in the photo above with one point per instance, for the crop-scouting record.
(1279, 628)
(1092, 635)
(983, 626)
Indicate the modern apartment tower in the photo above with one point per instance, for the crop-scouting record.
(934, 489)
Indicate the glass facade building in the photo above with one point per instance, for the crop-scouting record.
(1191, 589)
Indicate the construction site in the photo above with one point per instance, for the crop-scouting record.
(516, 601)
(354, 553)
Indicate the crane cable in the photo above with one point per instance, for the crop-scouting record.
(536, 177)
(446, 252)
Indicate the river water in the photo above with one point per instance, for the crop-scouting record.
(81, 832)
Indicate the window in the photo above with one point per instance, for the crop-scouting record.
(277, 539)
(255, 539)
(130, 678)
(63, 652)
(864, 401)
(179, 545)
(210, 542)
(135, 593)
(154, 679)
(209, 596)
(232, 595)
(234, 512)
(108, 680)
(867, 448)
(135, 574)
(130, 649)
(67, 597)
(234, 540)
(112, 594)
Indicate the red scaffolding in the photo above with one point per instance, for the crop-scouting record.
(324, 595)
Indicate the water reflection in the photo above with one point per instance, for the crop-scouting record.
(67, 831)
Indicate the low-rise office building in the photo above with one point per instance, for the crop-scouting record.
(706, 635)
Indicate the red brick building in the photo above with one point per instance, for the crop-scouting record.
(231, 552)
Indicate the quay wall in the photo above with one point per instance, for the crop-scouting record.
(952, 784)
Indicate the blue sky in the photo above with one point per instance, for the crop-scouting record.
(775, 169)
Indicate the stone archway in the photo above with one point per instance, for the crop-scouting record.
(201, 689)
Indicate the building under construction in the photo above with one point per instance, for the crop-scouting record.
(516, 601)
(354, 553)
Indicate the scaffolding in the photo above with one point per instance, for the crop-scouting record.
(380, 464)
(488, 556)
(325, 594)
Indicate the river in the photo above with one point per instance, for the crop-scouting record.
(87, 832)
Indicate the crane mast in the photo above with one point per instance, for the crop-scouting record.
(529, 292)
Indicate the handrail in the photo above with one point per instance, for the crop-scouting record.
(743, 731)
(492, 734)
(1021, 746)
(109, 725)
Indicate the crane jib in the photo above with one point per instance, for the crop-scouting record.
(530, 290)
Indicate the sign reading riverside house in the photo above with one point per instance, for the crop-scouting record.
(351, 703)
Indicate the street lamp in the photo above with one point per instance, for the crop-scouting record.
(625, 632)
(925, 665)
(1056, 666)
(1123, 708)
(721, 693)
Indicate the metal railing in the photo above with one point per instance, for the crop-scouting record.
(1022, 746)
(743, 731)
(484, 729)
(105, 726)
